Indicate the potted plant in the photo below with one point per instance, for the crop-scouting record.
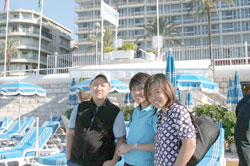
(108, 53)
(127, 51)
(229, 125)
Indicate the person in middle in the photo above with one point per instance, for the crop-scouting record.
(138, 150)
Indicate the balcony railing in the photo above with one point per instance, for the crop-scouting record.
(224, 55)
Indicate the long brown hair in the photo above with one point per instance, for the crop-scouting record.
(166, 86)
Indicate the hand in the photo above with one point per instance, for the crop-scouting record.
(109, 163)
(124, 148)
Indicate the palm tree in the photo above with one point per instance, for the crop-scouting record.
(12, 49)
(204, 7)
(108, 39)
(166, 28)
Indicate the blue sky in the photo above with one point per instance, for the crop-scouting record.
(61, 11)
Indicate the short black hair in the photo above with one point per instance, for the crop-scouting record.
(139, 79)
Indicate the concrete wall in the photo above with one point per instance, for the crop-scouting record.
(57, 87)
(55, 102)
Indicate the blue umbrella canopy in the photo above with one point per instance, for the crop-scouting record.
(21, 88)
(189, 101)
(230, 91)
(237, 90)
(116, 86)
(194, 82)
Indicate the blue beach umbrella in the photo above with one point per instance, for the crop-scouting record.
(21, 89)
(189, 101)
(195, 82)
(237, 91)
(179, 96)
(230, 92)
(72, 98)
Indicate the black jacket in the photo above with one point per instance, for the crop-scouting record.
(94, 138)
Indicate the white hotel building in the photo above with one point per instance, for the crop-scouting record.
(231, 24)
(24, 27)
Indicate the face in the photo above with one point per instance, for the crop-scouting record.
(137, 94)
(157, 97)
(99, 88)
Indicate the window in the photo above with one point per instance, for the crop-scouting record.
(139, 9)
(15, 15)
(215, 28)
(122, 34)
(26, 28)
(3, 17)
(151, 8)
(83, 36)
(175, 8)
(26, 16)
(139, 21)
(14, 28)
(227, 27)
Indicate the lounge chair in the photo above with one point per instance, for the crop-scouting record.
(5, 122)
(215, 154)
(55, 118)
(15, 130)
(27, 147)
(58, 159)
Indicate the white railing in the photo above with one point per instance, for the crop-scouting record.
(202, 52)
(233, 54)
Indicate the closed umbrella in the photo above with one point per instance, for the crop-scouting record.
(189, 101)
(72, 98)
(237, 90)
(73, 82)
(230, 92)
(170, 69)
(128, 99)
(170, 72)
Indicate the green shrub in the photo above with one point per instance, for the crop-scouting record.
(68, 112)
(128, 46)
(219, 114)
(127, 111)
(150, 50)
(215, 112)
(229, 125)
(108, 49)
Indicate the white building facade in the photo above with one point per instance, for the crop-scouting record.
(24, 27)
(231, 24)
